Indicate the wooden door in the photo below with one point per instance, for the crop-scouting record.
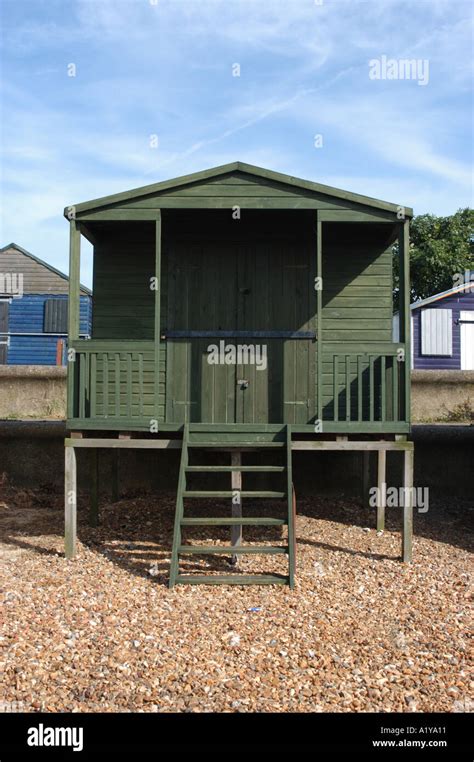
(201, 299)
(276, 298)
(3, 332)
(244, 298)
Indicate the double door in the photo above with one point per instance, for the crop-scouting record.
(240, 332)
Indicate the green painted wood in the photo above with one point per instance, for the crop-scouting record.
(128, 390)
(242, 169)
(247, 289)
(291, 509)
(124, 304)
(347, 215)
(246, 469)
(348, 387)
(330, 427)
(239, 444)
(232, 579)
(261, 521)
(319, 313)
(372, 387)
(124, 214)
(336, 387)
(174, 565)
(117, 384)
(73, 314)
(86, 346)
(256, 550)
(359, 387)
(93, 385)
(383, 391)
(82, 385)
(158, 401)
(405, 313)
(140, 383)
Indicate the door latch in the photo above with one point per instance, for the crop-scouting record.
(243, 383)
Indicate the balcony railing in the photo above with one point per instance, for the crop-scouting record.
(114, 382)
(364, 384)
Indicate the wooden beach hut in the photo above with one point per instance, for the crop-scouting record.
(238, 310)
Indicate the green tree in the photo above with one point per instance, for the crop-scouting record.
(441, 248)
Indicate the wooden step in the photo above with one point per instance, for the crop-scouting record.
(230, 494)
(247, 469)
(232, 521)
(232, 579)
(230, 445)
(231, 550)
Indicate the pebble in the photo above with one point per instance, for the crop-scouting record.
(106, 634)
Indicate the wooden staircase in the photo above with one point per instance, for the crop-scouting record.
(192, 441)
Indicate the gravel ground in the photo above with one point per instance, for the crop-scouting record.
(361, 632)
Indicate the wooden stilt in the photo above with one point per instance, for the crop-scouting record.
(382, 489)
(407, 535)
(365, 482)
(70, 502)
(94, 489)
(115, 476)
(236, 479)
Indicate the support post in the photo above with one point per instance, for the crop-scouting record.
(70, 502)
(157, 313)
(365, 478)
(236, 531)
(407, 535)
(94, 489)
(115, 476)
(319, 305)
(73, 310)
(382, 489)
(405, 311)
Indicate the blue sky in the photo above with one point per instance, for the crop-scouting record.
(164, 67)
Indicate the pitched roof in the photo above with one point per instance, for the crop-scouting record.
(443, 295)
(41, 262)
(236, 166)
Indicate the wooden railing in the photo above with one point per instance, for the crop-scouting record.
(363, 387)
(364, 383)
(108, 379)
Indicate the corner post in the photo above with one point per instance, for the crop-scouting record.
(157, 312)
(236, 482)
(70, 502)
(407, 536)
(319, 305)
(382, 489)
(405, 311)
(73, 309)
